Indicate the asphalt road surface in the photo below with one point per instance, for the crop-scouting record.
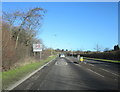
(66, 74)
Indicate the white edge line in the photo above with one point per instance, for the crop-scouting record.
(95, 72)
(26, 77)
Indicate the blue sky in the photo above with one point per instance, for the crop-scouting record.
(76, 26)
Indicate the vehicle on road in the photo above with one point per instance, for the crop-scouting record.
(61, 55)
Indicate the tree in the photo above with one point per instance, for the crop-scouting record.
(66, 49)
(97, 48)
(29, 20)
(116, 47)
(106, 49)
(62, 50)
(88, 51)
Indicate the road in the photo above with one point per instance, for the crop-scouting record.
(64, 74)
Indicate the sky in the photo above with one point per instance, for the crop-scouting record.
(60, 0)
(75, 25)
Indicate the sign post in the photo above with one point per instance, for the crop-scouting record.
(37, 48)
(40, 54)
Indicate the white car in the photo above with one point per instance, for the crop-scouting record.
(62, 55)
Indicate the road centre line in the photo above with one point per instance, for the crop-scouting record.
(109, 72)
(61, 63)
(95, 72)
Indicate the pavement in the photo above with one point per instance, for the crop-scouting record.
(66, 74)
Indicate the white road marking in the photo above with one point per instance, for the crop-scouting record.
(62, 62)
(66, 64)
(109, 72)
(91, 64)
(62, 59)
(56, 63)
(95, 72)
(26, 77)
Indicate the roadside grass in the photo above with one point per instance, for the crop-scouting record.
(13, 75)
(103, 59)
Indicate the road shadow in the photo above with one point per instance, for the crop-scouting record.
(75, 62)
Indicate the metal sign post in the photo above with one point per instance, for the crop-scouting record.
(40, 54)
(34, 53)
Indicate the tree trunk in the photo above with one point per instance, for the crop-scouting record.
(17, 41)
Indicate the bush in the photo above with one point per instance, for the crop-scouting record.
(113, 55)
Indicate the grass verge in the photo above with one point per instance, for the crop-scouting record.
(115, 61)
(13, 75)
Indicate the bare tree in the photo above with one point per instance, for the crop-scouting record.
(30, 19)
(106, 49)
(25, 21)
(97, 48)
(11, 19)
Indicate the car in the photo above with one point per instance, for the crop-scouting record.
(61, 55)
